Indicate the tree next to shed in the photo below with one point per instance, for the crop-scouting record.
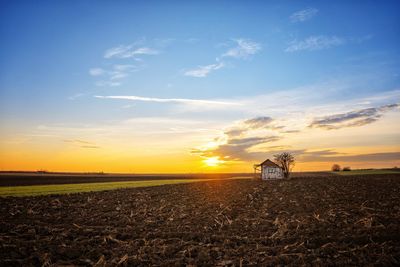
(269, 170)
(281, 168)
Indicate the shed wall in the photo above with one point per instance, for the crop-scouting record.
(271, 173)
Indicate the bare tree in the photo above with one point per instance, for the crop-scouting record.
(336, 168)
(286, 161)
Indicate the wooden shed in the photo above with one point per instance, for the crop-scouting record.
(269, 170)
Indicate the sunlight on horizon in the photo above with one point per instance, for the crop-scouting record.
(213, 161)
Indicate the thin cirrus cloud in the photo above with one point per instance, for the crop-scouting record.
(113, 76)
(203, 71)
(81, 143)
(170, 100)
(331, 156)
(303, 15)
(244, 49)
(315, 43)
(353, 118)
(129, 51)
(96, 71)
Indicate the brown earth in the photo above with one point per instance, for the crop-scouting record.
(20, 179)
(32, 178)
(303, 221)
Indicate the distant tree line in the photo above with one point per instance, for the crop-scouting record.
(337, 168)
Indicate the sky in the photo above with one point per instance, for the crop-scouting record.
(205, 86)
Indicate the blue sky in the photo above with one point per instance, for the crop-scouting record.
(57, 56)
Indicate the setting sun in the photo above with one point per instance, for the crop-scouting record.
(213, 161)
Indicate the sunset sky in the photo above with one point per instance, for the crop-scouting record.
(212, 86)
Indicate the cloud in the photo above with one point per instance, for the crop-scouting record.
(113, 75)
(251, 141)
(244, 49)
(291, 131)
(246, 140)
(75, 96)
(332, 156)
(170, 100)
(96, 71)
(78, 141)
(237, 149)
(108, 83)
(239, 142)
(203, 71)
(250, 124)
(129, 51)
(81, 143)
(303, 15)
(352, 119)
(258, 122)
(315, 43)
(88, 146)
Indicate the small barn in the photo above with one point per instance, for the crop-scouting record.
(269, 170)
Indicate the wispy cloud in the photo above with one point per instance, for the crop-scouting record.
(315, 43)
(352, 118)
(244, 126)
(258, 122)
(129, 51)
(75, 96)
(96, 71)
(244, 49)
(303, 15)
(89, 146)
(237, 149)
(108, 83)
(170, 100)
(113, 76)
(332, 156)
(242, 141)
(203, 71)
(81, 143)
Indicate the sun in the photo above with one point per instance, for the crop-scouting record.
(213, 161)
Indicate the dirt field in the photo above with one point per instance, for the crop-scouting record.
(21, 179)
(31, 178)
(320, 220)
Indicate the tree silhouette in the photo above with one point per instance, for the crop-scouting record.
(335, 167)
(286, 161)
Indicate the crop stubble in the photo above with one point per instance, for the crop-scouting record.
(319, 220)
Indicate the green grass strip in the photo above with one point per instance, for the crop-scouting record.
(36, 190)
(365, 172)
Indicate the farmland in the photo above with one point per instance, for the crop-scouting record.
(320, 220)
(33, 184)
(368, 172)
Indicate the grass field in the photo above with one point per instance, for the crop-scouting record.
(35, 190)
(366, 172)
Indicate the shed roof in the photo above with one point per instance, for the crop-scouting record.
(269, 163)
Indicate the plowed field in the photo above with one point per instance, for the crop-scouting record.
(318, 220)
